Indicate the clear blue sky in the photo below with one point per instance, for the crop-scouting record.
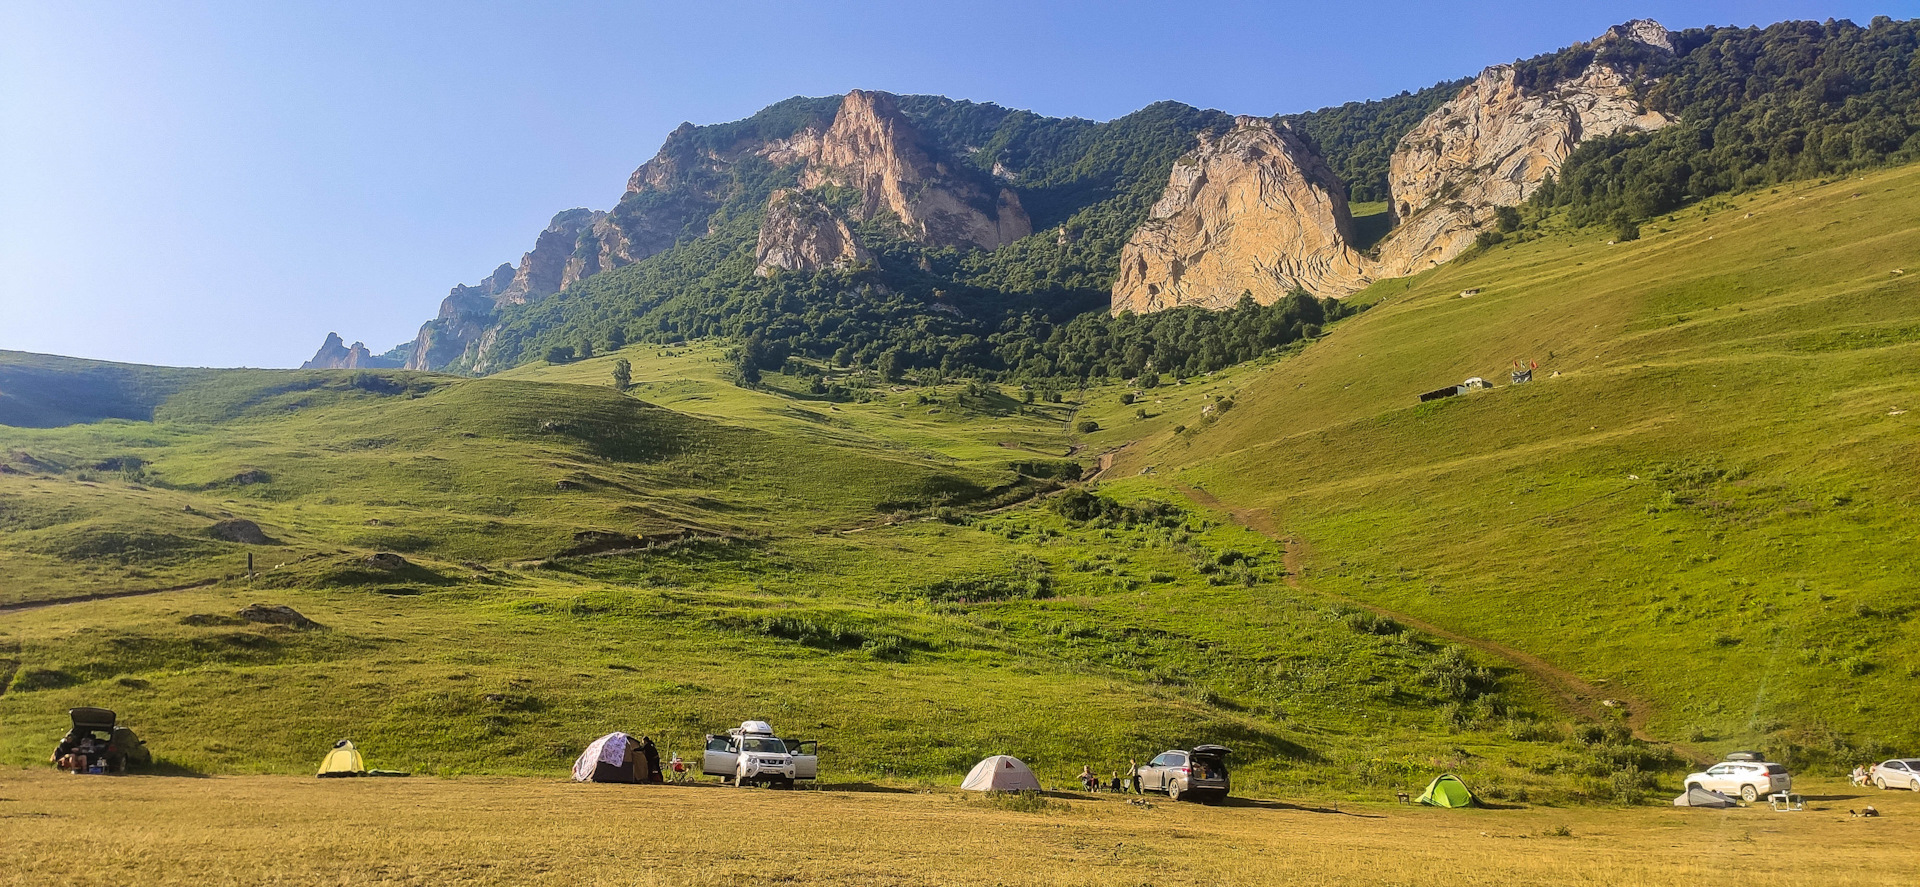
(223, 183)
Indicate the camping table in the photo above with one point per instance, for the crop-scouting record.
(1782, 802)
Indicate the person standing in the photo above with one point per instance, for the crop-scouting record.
(651, 753)
(1133, 775)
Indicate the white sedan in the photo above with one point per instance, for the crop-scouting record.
(1897, 773)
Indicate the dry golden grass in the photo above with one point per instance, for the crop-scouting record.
(62, 829)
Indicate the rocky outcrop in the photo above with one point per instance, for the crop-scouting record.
(1257, 212)
(335, 354)
(867, 145)
(465, 314)
(802, 234)
(541, 270)
(1254, 211)
(875, 150)
(1493, 146)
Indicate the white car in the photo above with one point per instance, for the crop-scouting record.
(1897, 773)
(1750, 780)
(751, 755)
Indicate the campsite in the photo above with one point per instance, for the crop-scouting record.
(1400, 466)
(477, 830)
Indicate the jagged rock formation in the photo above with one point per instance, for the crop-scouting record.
(465, 315)
(869, 147)
(1491, 146)
(873, 149)
(802, 234)
(334, 354)
(1253, 211)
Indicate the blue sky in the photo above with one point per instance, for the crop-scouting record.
(224, 183)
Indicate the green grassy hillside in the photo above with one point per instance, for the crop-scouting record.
(683, 556)
(1700, 511)
(1703, 503)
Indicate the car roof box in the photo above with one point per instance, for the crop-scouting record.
(1746, 756)
(1212, 751)
(92, 718)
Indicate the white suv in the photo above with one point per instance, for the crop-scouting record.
(751, 754)
(1750, 780)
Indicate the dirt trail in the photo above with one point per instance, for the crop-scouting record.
(99, 596)
(1575, 693)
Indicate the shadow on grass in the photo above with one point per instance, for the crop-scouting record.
(1265, 804)
(863, 787)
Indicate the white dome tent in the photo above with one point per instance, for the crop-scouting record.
(1001, 773)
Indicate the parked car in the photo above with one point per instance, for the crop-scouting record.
(751, 754)
(1750, 780)
(1200, 773)
(1897, 773)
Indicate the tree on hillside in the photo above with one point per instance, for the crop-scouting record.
(622, 374)
(560, 354)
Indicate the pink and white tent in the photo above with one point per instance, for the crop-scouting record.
(609, 749)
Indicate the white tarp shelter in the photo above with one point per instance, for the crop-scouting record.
(1001, 773)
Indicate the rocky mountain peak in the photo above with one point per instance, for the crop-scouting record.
(1254, 211)
(874, 149)
(1644, 31)
(335, 354)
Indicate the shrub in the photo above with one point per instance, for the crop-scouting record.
(1087, 426)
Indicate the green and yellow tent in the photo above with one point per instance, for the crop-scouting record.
(1446, 791)
(343, 760)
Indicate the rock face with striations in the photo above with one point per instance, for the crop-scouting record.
(869, 146)
(802, 234)
(1494, 144)
(1255, 210)
(1255, 213)
(875, 150)
(334, 354)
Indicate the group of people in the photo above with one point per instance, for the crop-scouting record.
(1114, 781)
(82, 752)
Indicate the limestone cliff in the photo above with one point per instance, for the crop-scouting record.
(874, 149)
(1257, 211)
(334, 354)
(1494, 145)
(801, 234)
(1253, 211)
(465, 313)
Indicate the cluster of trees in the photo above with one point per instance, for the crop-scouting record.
(1755, 107)
(894, 335)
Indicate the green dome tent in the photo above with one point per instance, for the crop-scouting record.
(1446, 791)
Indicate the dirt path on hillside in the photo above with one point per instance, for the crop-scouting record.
(99, 596)
(1575, 693)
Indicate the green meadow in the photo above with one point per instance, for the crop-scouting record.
(1702, 506)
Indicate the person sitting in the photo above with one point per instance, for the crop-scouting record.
(1089, 780)
(677, 767)
(1859, 775)
(1118, 785)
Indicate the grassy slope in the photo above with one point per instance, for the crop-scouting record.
(492, 658)
(1749, 380)
(1709, 508)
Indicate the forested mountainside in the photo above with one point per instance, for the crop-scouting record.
(899, 233)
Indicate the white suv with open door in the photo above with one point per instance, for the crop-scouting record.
(751, 755)
(1750, 780)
